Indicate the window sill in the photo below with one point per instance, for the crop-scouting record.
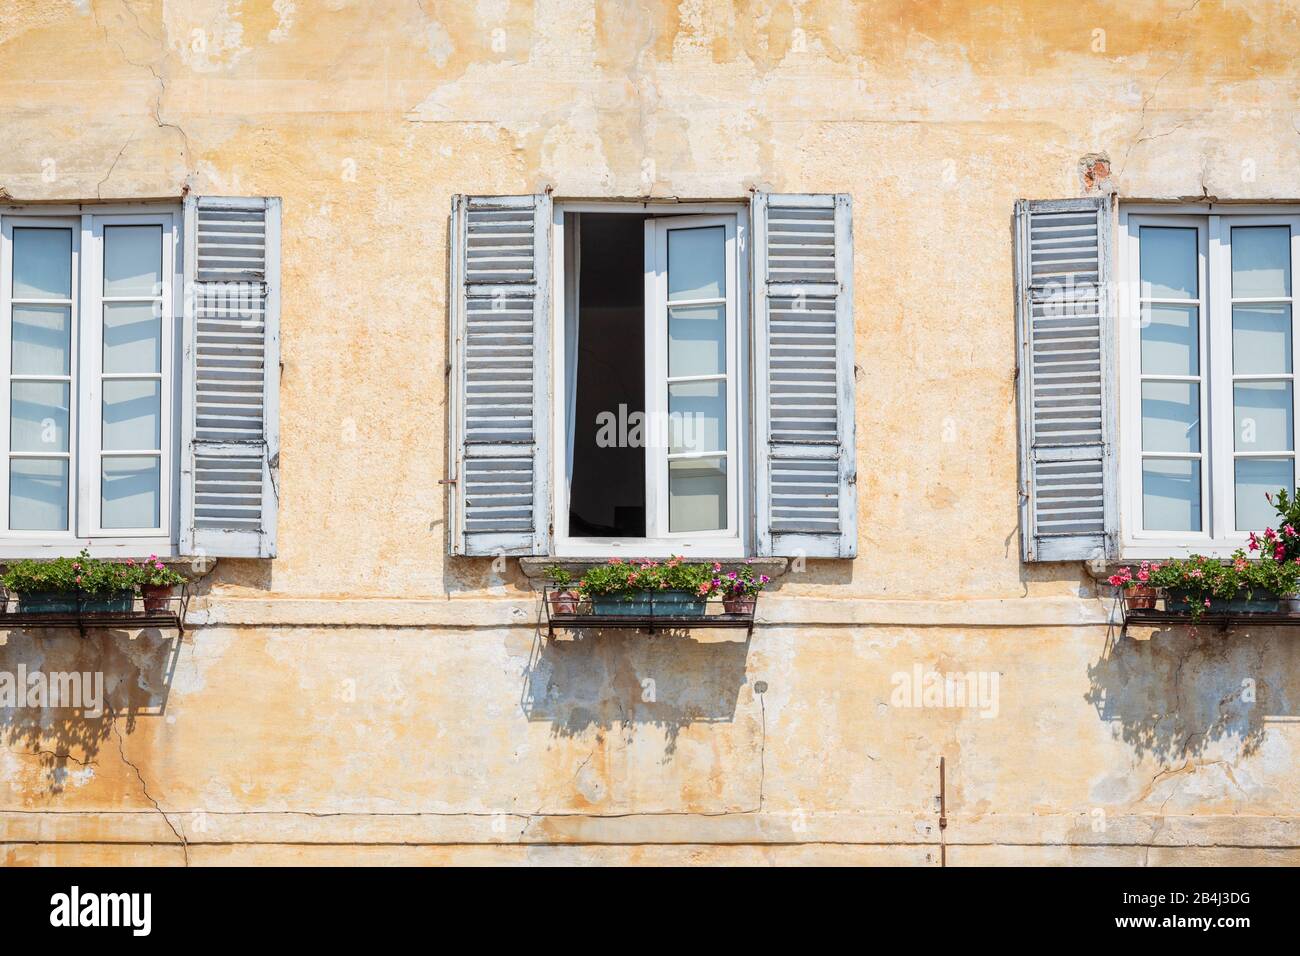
(535, 568)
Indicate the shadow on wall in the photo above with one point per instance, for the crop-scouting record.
(1184, 689)
(596, 679)
(108, 676)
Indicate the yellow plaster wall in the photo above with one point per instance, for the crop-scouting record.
(366, 118)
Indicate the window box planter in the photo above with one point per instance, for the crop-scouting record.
(649, 603)
(59, 602)
(1243, 602)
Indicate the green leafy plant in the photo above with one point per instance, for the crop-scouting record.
(626, 578)
(559, 576)
(68, 576)
(743, 582)
(1283, 544)
(86, 575)
(152, 573)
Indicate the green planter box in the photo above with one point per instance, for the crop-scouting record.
(648, 603)
(1243, 602)
(58, 602)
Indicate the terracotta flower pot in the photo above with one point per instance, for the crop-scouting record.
(1140, 596)
(564, 602)
(156, 596)
(738, 604)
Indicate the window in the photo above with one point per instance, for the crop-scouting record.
(90, 343)
(1208, 396)
(619, 385)
(650, 374)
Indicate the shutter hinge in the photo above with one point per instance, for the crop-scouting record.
(446, 481)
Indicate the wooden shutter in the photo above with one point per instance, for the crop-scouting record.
(230, 455)
(806, 481)
(498, 386)
(1066, 377)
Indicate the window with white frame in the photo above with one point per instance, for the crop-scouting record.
(89, 353)
(650, 374)
(649, 378)
(1208, 396)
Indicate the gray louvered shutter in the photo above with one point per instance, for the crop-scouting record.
(498, 386)
(806, 481)
(1065, 322)
(230, 454)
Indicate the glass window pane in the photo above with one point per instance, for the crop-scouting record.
(1171, 413)
(38, 416)
(130, 496)
(697, 340)
(42, 339)
(132, 415)
(697, 494)
(1261, 339)
(38, 494)
(1170, 340)
(1263, 416)
(1168, 262)
(132, 260)
(697, 416)
(1171, 494)
(1256, 477)
(1261, 261)
(132, 337)
(42, 263)
(697, 263)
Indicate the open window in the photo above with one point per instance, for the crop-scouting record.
(652, 378)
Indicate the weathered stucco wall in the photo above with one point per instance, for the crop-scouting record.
(364, 689)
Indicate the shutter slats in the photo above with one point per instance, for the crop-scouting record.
(803, 262)
(498, 328)
(229, 475)
(1064, 324)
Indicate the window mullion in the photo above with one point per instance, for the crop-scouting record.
(85, 354)
(1219, 381)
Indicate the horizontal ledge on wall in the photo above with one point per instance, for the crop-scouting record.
(772, 611)
(736, 826)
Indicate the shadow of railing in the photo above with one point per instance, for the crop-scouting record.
(120, 676)
(605, 678)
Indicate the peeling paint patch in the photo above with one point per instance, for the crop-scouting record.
(207, 35)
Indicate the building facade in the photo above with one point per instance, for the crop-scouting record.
(966, 304)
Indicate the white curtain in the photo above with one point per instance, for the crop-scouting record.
(572, 272)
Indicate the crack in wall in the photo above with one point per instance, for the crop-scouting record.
(121, 749)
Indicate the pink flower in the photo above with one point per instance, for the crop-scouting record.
(1143, 576)
(1116, 580)
(717, 566)
(1207, 602)
(1279, 553)
(158, 565)
(1254, 542)
(1270, 534)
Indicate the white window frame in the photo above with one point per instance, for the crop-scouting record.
(1218, 536)
(87, 222)
(735, 541)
